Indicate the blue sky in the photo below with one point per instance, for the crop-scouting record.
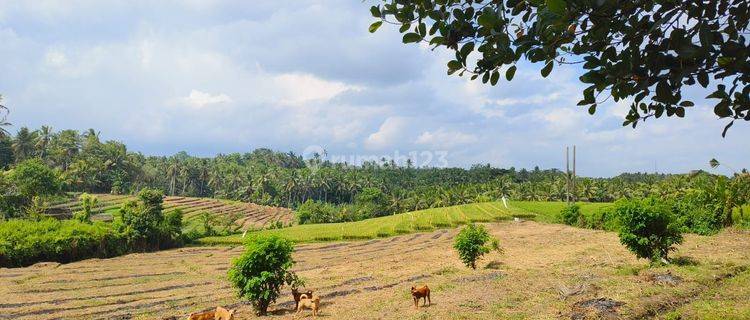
(212, 77)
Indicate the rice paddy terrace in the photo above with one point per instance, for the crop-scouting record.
(546, 272)
(248, 215)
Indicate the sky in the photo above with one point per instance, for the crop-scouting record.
(211, 77)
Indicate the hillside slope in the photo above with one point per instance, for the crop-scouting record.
(249, 215)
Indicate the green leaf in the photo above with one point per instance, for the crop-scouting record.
(556, 6)
(703, 78)
(375, 10)
(454, 65)
(592, 109)
(687, 103)
(680, 112)
(547, 69)
(722, 109)
(374, 27)
(495, 76)
(510, 73)
(466, 49)
(487, 19)
(411, 37)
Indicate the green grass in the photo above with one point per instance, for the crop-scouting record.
(410, 222)
(423, 220)
(549, 212)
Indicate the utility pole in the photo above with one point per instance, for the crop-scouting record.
(567, 175)
(570, 177)
(575, 196)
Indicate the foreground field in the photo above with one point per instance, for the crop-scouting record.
(249, 215)
(547, 271)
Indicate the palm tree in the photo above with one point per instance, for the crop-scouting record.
(45, 135)
(23, 144)
(3, 123)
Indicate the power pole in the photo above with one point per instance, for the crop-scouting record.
(575, 196)
(567, 175)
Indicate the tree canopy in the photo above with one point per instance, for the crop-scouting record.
(646, 50)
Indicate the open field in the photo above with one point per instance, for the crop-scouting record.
(249, 215)
(547, 272)
(404, 223)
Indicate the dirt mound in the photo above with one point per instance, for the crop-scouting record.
(599, 308)
(664, 279)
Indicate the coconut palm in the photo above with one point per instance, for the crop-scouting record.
(3, 120)
(23, 144)
(42, 144)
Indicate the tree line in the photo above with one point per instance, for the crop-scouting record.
(84, 163)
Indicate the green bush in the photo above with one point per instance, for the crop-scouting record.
(88, 203)
(601, 219)
(649, 228)
(312, 211)
(571, 214)
(33, 178)
(24, 242)
(472, 242)
(260, 272)
(144, 225)
(372, 201)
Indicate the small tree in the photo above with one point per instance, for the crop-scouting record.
(260, 272)
(648, 228)
(571, 214)
(142, 221)
(34, 178)
(473, 242)
(88, 203)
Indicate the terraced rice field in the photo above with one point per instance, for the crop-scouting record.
(404, 223)
(249, 215)
(547, 272)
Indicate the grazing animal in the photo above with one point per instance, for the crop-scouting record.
(296, 294)
(218, 314)
(422, 292)
(311, 302)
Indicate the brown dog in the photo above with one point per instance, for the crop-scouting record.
(422, 292)
(296, 294)
(311, 303)
(218, 314)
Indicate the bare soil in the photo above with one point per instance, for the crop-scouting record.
(547, 272)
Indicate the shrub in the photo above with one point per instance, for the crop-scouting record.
(143, 224)
(571, 214)
(88, 203)
(373, 201)
(260, 272)
(33, 178)
(472, 243)
(24, 242)
(601, 219)
(312, 211)
(648, 228)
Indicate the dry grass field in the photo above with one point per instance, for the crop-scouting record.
(249, 215)
(547, 272)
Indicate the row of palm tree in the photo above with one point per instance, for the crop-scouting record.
(286, 179)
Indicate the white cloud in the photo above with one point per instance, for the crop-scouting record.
(389, 133)
(199, 100)
(300, 88)
(443, 138)
(55, 59)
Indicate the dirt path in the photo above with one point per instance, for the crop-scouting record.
(547, 271)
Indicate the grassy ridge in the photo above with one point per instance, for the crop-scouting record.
(423, 220)
(549, 211)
